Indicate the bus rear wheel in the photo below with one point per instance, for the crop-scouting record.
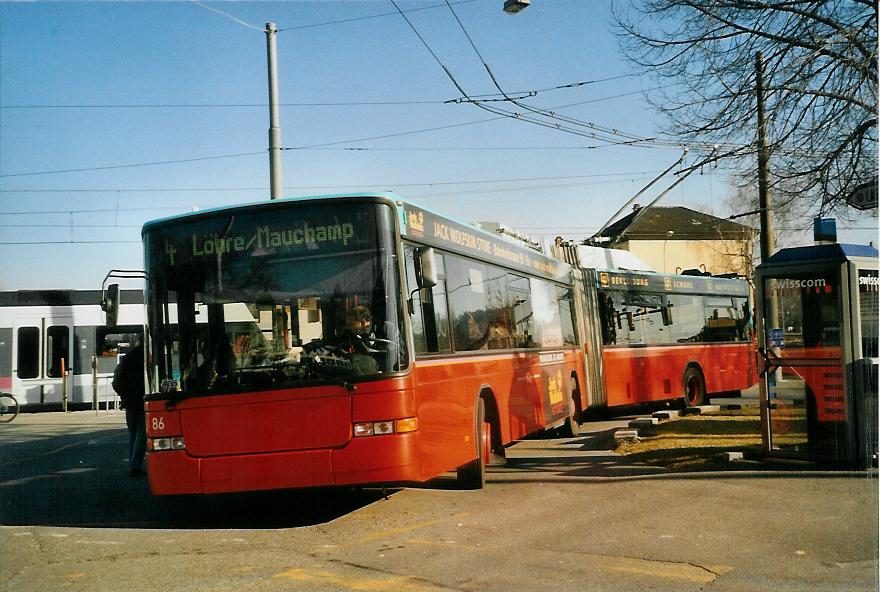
(694, 387)
(472, 475)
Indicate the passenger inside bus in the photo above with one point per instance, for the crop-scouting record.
(360, 342)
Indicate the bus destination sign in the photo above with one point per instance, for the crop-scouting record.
(260, 239)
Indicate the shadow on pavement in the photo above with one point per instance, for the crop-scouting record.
(65, 480)
(59, 478)
(590, 456)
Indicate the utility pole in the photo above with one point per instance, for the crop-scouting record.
(274, 116)
(768, 240)
(768, 305)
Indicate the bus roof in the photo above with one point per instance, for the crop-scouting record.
(389, 195)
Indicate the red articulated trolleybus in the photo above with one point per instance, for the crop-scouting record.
(651, 336)
(347, 340)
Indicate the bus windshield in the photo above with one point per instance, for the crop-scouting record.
(275, 296)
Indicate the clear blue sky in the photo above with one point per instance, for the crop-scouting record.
(89, 90)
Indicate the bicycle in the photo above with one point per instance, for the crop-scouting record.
(8, 407)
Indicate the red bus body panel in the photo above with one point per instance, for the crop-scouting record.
(654, 373)
(303, 437)
(528, 389)
(287, 421)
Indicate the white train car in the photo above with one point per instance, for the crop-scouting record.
(55, 341)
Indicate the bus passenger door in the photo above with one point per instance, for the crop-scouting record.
(41, 353)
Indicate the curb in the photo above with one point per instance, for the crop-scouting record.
(645, 427)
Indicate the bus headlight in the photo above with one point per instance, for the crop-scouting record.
(388, 426)
(161, 444)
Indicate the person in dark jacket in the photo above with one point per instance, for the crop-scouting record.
(128, 382)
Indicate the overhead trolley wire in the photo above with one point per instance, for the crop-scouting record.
(503, 112)
(125, 166)
(337, 103)
(369, 184)
(639, 193)
(611, 135)
(368, 17)
(515, 101)
(227, 15)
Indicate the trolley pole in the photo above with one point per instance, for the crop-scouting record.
(274, 116)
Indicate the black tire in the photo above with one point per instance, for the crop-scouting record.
(571, 427)
(694, 387)
(472, 475)
(8, 408)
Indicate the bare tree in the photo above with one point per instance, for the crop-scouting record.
(820, 79)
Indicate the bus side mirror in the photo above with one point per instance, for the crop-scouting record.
(426, 274)
(110, 304)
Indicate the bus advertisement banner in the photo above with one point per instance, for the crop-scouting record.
(425, 227)
(659, 283)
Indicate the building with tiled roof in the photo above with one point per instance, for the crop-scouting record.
(675, 238)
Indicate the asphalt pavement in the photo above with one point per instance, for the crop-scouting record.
(560, 514)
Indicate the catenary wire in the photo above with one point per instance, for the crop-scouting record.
(368, 17)
(356, 185)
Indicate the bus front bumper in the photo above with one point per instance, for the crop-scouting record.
(363, 461)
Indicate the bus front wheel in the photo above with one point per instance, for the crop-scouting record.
(472, 475)
(694, 387)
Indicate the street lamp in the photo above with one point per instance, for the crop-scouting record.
(514, 6)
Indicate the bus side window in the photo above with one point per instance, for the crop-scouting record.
(416, 318)
(497, 309)
(666, 313)
(440, 312)
(721, 320)
(566, 315)
(521, 310)
(468, 302)
(687, 318)
(429, 318)
(608, 318)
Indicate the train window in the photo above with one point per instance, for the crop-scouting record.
(57, 350)
(109, 343)
(5, 353)
(28, 352)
